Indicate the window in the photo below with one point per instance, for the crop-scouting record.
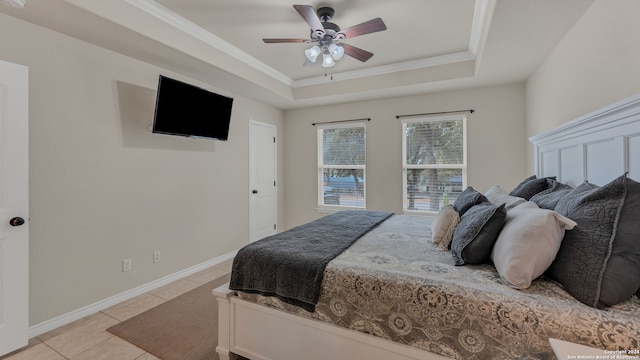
(434, 165)
(341, 166)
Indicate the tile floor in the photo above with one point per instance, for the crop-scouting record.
(88, 338)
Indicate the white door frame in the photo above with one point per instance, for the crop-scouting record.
(254, 218)
(14, 206)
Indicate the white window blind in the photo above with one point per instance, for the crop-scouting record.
(341, 165)
(434, 165)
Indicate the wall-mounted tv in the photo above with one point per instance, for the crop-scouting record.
(187, 110)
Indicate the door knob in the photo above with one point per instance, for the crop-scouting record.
(16, 221)
(254, 191)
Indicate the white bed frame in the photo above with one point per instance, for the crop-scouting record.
(597, 147)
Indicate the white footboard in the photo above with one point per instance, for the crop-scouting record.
(223, 295)
(262, 333)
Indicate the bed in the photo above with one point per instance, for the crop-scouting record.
(393, 295)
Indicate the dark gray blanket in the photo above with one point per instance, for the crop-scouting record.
(290, 265)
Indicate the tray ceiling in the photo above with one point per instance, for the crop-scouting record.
(429, 45)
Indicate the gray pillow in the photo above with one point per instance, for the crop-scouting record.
(468, 198)
(548, 199)
(532, 177)
(476, 233)
(528, 188)
(497, 196)
(599, 260)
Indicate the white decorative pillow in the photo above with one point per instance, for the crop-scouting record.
(528, 243)
(497, 196)
(443, 227)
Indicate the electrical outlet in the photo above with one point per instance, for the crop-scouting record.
(127, 264)
(156, 256)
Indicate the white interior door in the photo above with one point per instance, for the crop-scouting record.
(263, 208)
(14, 203)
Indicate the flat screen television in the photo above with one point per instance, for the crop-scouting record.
(187, 110)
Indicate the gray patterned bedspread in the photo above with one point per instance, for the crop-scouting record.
(394, 284)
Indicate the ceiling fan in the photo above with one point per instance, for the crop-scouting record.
(328, 36)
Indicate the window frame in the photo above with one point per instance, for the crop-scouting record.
(321, 206)
(405, 167)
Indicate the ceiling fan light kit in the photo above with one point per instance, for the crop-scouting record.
(327, 60)
(313, 52)
(336, 51)
(330, 54)
(327, 36)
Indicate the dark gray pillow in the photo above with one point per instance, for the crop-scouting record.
(548, 199)
(523, 182)
(599, 260)
(468, 198)
(476, 233)
(532, 177)
(531, 186)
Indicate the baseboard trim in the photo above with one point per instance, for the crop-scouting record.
(46, 326)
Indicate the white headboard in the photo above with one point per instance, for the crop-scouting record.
(597, 147)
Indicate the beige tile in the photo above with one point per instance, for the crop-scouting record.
(83, 337)
(133, 307)
(32, 342)
(207, 275)
(112, 349)
(37, 352)
(66, 328)
(174, 289)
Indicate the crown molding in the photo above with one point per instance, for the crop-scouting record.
(481, 18)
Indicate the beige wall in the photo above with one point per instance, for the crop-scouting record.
(103, 188)
(496, 147)
(597, 63)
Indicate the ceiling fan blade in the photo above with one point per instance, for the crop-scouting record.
(367, 27)
(309, 15)
(357, 53)
(274, 41)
